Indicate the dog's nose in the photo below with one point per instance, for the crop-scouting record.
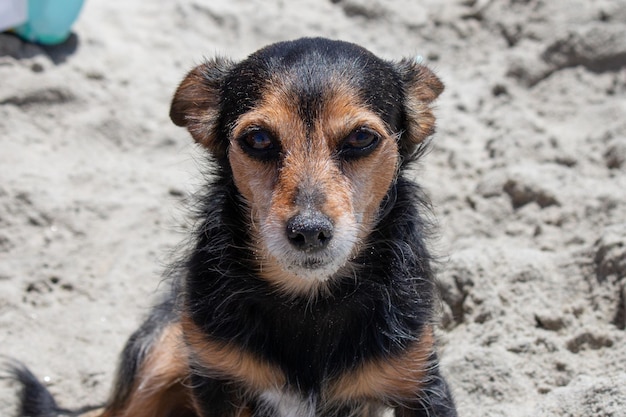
(309, 231)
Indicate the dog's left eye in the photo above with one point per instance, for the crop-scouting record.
(360, 142)
(259, 143)
(259, 140)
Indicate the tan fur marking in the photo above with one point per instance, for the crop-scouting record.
(195, 104)
(255, 179)
(400, 378)
(422, 87)
(421, 120)
(371, 177)
(343, 112)
(229, 361)
(160, 390)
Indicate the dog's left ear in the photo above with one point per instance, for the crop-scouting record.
(421, 88)
(196, 104)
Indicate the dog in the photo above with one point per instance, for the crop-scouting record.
(309, 290)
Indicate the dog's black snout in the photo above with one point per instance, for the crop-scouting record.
(309, 231)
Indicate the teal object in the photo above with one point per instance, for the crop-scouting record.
(49, 21)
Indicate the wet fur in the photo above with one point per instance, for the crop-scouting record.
(231, 340)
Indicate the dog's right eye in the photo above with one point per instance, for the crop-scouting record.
(359, 143)
(259, 143)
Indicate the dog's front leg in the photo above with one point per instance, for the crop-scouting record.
(214, 397)
(436, 400)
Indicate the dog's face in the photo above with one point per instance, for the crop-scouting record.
(313, 132)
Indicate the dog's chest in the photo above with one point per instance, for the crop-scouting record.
(284, 404)
(279, 403)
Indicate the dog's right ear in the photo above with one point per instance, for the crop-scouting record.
(196, 104)
(421, 88)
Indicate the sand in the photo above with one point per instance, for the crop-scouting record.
(527, 174)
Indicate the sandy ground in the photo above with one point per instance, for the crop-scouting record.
(527, 175)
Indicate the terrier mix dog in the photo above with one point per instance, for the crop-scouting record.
(309, 291)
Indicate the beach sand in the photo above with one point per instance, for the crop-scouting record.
(527, 175)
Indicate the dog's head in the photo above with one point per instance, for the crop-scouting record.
(313, 132)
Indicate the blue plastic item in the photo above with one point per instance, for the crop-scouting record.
(49, 21)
